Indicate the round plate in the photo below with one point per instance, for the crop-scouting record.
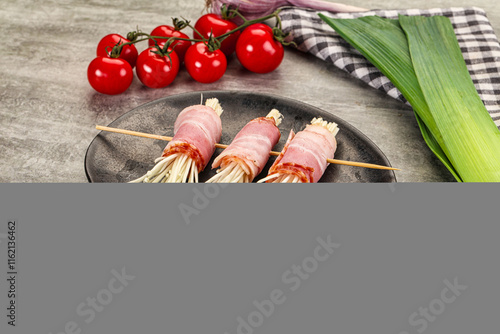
(113, 157)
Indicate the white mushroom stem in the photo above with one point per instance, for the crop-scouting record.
(281, 178)
(278, 117)
(177, 167)
(159, 171)
(330, 126)
(231, 173)
(215, 105)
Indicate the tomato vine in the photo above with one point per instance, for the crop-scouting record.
(215, 38)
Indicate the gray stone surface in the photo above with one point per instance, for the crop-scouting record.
(48, 111)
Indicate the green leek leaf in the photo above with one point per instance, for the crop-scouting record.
(471, 137)
(422, 59)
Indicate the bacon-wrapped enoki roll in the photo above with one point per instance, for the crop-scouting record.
(304, 157)
(196, 131)
(248, 153)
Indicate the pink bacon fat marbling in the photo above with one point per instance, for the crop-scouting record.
(305, 154)
(251, 146)
(196, 131)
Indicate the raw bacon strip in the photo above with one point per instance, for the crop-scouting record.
(249, 151)
(304, 157)
(196, 131)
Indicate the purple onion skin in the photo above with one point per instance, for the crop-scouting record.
(253, 9)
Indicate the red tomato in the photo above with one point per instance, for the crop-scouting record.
(110, 75)
(169, 31)
(156, 71)
(129, 52)
(203, 65)
(257, 49)
(218, 26)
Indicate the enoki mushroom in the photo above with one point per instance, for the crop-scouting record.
(234, 169)
(288, 176)
(176, 167)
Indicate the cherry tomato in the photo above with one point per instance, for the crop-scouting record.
(257, 49)
(204, 65)
(129, 52)
(169, 31)
(110, 75)
(156, 71)
(218, 26)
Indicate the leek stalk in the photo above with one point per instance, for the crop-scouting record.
(422, 58)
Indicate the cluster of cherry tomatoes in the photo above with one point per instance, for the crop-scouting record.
(204, 56)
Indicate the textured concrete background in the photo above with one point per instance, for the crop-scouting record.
(48, 111)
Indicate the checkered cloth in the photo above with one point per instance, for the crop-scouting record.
(479, 44)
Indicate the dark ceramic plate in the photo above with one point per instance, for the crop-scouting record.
(113, 157)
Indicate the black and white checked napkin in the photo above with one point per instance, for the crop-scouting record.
(478, 42)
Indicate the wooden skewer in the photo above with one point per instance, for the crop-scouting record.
(166, 138)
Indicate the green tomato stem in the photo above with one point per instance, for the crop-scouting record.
(249, 22)
(212, 41)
